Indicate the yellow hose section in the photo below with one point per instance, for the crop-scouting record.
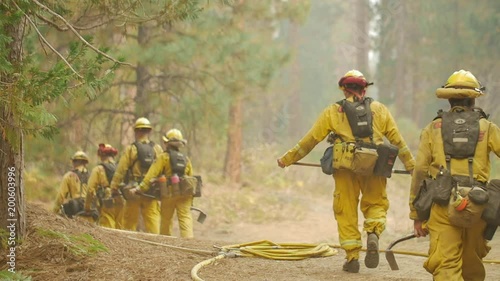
(286, 251)
(196, 268)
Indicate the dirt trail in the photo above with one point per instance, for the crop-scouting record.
(47, 257)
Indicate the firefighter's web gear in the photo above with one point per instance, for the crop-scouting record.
(348, 186)
(109, 216)
(71, 187)
(444, 261)
(142, 123)
(148, 208)
(129, 160)
(430, 156)
(180, 203)
(461, 84)
(80, 155)
(455, 253)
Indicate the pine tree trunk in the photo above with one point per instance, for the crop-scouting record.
(232, 167)
(401, 63)
(12, 210)
(362, 39)
(142, 77)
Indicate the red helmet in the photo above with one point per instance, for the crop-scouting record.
(106, 150)
(353, 77)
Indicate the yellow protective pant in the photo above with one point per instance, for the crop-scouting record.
(374, 206)
(111, 217)
(150, 211)
(455, 253)
(181, 204)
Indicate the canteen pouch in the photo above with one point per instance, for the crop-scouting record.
(364, 160)
(423, 201)
(442, 185)
(343, 153)
(491, 213)
(188, 185)
(327, 161)
(464, 216)
(387, 154)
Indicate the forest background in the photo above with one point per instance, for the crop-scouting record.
(243, 80)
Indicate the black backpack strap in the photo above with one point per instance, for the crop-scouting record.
(128, 175)
(439, 115)
(481, 112)
(109, 169)
(83, 178)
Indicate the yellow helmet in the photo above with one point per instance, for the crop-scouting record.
(80, 155)
(461, 84)
(462, 79)
(142, 123)
(174, 135)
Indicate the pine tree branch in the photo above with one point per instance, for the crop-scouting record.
(78, 34)
(61, 28)
(47, 43)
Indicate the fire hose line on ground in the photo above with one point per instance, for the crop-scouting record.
(287, 251)
(264, 249)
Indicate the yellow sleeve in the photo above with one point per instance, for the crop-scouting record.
(494, 139)
(122, 168)
(394, 136)
(93, 183)
(154, 171)
(316, 134)
(63, 192)
(421, 171)
(158, 150)
(189, 168)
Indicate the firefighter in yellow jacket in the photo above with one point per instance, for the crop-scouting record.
(133, 165)
(74, 182)
(348, 185)
(110, 203)
(455, 252)
(176, 200)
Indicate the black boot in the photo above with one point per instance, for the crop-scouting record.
(372, 255)
(351, 266)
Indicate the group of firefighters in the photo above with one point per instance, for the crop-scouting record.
(117, 195)
(450, 175)
(457, 141)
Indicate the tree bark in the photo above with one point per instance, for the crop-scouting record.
(142, 77)
(400, 74)
(232, 166)
(362, 39)
(12, 211)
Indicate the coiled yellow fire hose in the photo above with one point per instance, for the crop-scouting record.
(286, 251)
